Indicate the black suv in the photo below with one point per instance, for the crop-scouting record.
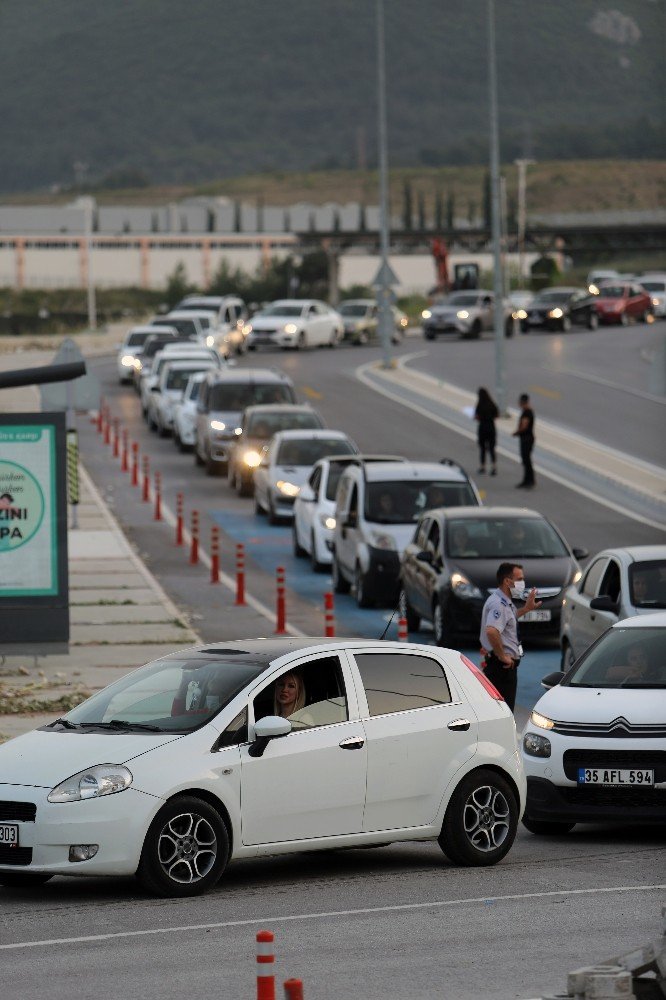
(560, 309)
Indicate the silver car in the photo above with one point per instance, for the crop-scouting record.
(618, 583)
(466, 313)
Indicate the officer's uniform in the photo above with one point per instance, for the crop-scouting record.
(499, 612)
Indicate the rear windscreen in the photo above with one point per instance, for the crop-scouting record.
(235, 396)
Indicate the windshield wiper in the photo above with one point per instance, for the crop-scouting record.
(122, 724)
(65, 723)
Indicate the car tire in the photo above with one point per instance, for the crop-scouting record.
(244, 487)
(333, 340)
(258, 509)
(198, 460)
(214, 468)
(524, 326)
(23, 880)
(361, 338)
(273, 518)
(340, 583)
(508, 329)
(301, 342)
(547, 828)
(565, 325)
(440, 627)
(316, 566)
(407, 612)
(363, 598)
(162, 431)
(299, 551)
(428, 335)
(481, 820)
(186, 849)
(645, 317)
(475, 331)
(593, 321)
(568, 657)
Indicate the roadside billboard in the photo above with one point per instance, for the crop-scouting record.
(34, 605)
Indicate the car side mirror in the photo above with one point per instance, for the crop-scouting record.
(307, 495)
(424, 557)
(269, 728)
(552, 680)
(603, 603)
(580, 553)
(155, 388)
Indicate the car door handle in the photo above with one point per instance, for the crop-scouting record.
(353, 743)
(459, 725)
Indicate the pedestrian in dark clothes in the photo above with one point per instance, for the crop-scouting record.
(486, 413)
(525, 434)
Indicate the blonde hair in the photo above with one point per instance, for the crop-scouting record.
(300, 693)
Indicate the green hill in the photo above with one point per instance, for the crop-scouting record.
(182, 92)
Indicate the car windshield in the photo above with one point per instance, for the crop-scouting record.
(462, 299)
(334, 472)
(623, 658)
(307, 451)
(172, 695)
(265, 425)
(157, 343)
(236, 396)
(178, 378)
(612, 291)
(401, 502)
(647, 584)
(549, 297)
(503, 538)
(654, 286)
(184, 326)
(278, 310)
(353, 309)
(136, 339)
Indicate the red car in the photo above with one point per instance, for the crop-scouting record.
(623, 302)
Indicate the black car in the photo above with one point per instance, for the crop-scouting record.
(448, 569)
(560, 309)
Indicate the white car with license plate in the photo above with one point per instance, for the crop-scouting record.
(594, 748)
(169, 390)
(297, 323)
(184, 765)
(185, 414)
(285, 465)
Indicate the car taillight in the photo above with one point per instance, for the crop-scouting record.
(481, 678)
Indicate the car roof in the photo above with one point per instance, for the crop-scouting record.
(309, 434)
(266, 650)
(188, 362)
(380, 472)
(245, 375)
(293, 302)
(635, 553)
(656, 619)
(560, 288)
(146, 328)
(213, 300)
(176, 314)
(477, 513)
(278, 408)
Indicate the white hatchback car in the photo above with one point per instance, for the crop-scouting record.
(260, 747)
(185, 414)
(169, 390)
(594, 748)
(285, 465)
(298, 323)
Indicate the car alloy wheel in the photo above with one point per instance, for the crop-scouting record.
(186, 849)
(547, 828)
(440, 628)
(593, 321)
(301, 343)
(481, 820)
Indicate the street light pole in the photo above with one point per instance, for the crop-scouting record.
(522, 214)
(385, 316)
(92, 310)
(498, 284)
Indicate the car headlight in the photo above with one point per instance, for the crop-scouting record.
(462, 314)
(137, 365)
(426, 314)
(210, 341)
(541, 721)
(288, 489)
(404, 322)
(102, 779)
(252, 459)
(327, 521)
(593, 290)
(556, 313)
(291, 328)
(128, 360)
(383, 541)
(536, 746)
(521, 314)
(464, 587)
(218, 425)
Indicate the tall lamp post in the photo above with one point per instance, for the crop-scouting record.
(522, 214)
(498, 284)
(88, 207)
(385, 315)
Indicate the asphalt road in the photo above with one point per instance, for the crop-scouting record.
(396, 922)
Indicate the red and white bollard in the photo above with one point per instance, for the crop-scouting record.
(293, 989)
(402, 630)
(240, 574)
(124, 458)
(157, 516)
(215, 554)
(281, 604)
(329, 616)
(145, 493)
(116, 437)
(107, 426)
(135, 463)
(100, 416)
(194, 534)
(265, 966)
(179, 519)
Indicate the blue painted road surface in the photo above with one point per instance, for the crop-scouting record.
(270, 546)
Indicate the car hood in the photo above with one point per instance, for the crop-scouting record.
(296, 474)
(231, 418)
(539, 573)
(43, 758)
(403, 533)
(602, 705)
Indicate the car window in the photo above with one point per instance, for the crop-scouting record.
(234, 396)
(265, 425)
(308, 451)
(335, 471)
(315, 481)
(422, 533)
(434, 539)
(399, 682)
(319, 695)
(623, 658)
(503, 538)
(610, 583)
(235, 733)
(592, 577)
(401, 502)
(135, 339)
(177, 378)
(647, 584)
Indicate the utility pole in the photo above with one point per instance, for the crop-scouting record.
(385, 314)
(522, 165)
(498, 284)
(88, 206)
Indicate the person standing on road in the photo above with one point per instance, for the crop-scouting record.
(486, 413)
(525, 433)
(499, 629)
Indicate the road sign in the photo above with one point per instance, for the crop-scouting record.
(385, 276)
(82, 393)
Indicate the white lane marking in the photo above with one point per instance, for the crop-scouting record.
(228, 581)
(330, 914)
(649, 396)
(362, 377)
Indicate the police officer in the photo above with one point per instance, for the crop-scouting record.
(499, 629)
